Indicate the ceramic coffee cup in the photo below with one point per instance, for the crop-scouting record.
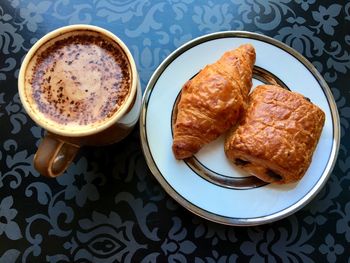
(80, 84)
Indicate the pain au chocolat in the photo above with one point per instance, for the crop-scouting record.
(212, 101)
(277, 135)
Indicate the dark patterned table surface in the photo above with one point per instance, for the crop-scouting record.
(108, 207)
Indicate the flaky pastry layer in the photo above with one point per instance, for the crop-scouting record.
(212, 101)
(277, 135)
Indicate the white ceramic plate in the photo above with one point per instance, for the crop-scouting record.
(209, 185)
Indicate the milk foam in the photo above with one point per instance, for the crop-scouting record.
(80, 78)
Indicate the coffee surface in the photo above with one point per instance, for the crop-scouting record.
(81, 79)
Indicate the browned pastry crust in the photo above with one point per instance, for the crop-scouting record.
(212, 101)
(277, 135)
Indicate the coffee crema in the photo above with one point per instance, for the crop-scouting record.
(79, 78)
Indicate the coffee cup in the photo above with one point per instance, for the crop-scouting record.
(80, 84)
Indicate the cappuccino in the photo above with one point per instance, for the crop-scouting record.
(80, 78)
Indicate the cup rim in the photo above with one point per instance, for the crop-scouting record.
(47, 125)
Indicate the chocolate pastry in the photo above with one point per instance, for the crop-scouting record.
(277, 135)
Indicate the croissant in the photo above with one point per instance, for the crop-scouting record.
(212, 101)
(277, 135)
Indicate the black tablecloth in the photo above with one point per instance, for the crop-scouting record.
(108, 207)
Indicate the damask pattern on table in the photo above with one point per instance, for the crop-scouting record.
(107, 207)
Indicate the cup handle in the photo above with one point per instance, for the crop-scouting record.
(53, 156)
